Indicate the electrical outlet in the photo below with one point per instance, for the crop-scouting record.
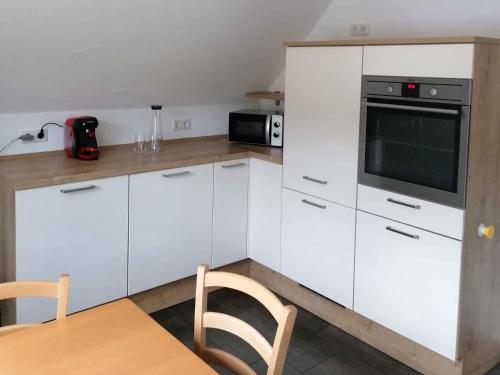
(34, 133)
(182, 124)
(360, 29)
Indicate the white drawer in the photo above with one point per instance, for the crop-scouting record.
(434, 217)
(408, 280)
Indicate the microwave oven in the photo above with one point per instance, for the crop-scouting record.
(260, 127)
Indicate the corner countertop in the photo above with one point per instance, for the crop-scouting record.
(377, 42)
(52, 168)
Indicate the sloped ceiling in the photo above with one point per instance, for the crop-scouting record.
(76, 54)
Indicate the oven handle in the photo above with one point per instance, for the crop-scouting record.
(412, 108)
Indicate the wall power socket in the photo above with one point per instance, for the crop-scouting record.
(360, 29)
(183, 124)
(34, 133)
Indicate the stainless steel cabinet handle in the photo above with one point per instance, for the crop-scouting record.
(76, 190)
(412, 108)
(234, 165)
(176, 174)
(415, 206)
(391, 229)
(313, 204)
(322, 182)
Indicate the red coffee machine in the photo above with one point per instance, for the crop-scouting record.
(79, 138)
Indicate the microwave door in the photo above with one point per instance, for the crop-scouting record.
(250, 128)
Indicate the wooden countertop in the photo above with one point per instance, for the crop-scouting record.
(376, 42)
(53, 168)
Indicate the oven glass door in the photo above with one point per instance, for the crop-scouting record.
(415, 142)
(249, 128)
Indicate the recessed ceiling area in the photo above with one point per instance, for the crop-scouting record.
(61, 55)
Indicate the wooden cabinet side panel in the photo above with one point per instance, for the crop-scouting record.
(7, 249)
(480, 286)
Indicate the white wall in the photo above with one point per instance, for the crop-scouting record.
(410, 18)
(406, 18)
(116, 126)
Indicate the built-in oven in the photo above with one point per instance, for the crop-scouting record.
(414, 137)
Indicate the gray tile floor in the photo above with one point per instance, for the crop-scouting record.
(317, 347)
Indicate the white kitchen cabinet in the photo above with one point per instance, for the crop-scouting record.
(80, 229)
(230, 213)
(425, 60)
(323, 94)
(264, 220)
(170, 225)
(410, 285)
(318, 245)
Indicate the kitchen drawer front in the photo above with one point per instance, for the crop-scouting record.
(318, 245)
(410, 285)
(434, 217)
(230, 212)
(426, 60)
(170, 225)
(79, 229)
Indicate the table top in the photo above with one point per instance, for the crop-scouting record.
(117, 338)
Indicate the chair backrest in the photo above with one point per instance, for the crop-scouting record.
(274, 355)
(48, 289)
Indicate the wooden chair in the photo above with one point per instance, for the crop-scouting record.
(49, 289)
(274, 355)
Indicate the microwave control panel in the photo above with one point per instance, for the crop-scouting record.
(277, 130)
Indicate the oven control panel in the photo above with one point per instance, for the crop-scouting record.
(406, 88)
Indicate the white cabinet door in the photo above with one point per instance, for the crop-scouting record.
(264, 221)
(170, 225)
(410, 285)
(318, 245)
(80, 229)
(230, 212)
(323, 95)
(424, 60)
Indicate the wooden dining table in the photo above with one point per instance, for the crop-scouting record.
(116, 338)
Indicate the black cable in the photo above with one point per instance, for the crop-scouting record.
(41, 133)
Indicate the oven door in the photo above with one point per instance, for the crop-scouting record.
(250, 128)
(415, 148)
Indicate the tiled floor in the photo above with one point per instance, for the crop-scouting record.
(317, 348)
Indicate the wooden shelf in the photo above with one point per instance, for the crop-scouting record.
(267, 95)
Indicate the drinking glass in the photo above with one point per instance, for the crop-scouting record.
(141, 143)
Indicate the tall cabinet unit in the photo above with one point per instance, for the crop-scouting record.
(323, 88)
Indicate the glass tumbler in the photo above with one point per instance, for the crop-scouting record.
(141, 143)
